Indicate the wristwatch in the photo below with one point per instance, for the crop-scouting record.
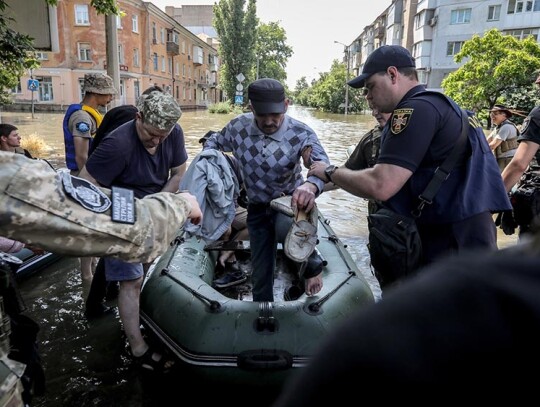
(329, 171)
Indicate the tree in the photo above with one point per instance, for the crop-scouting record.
(17, 51)
(271, 52)
(328, 92)
(236, 27)
(497, 66)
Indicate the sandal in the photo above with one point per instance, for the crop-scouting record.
(146, 361)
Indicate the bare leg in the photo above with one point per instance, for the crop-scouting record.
(87, 268)
(128, 308)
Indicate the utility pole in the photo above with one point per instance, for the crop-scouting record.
(113, 63)
(347, 50)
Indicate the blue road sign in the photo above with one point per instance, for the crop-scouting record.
(33, 84)
(238, 100)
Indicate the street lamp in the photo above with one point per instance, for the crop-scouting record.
(347, 55)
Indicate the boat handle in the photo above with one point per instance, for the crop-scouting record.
(261, 360)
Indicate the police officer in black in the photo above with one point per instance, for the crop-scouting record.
(422, 132)
(527, 151)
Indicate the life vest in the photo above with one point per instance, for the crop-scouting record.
(69, 144)
(475, 186)
(509, 143)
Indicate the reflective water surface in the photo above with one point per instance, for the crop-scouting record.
(87, 364)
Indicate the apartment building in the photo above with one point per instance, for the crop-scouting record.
(435, 30)
(153, 49)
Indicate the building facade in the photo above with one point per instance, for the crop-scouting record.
(153, 49)
(435, 30)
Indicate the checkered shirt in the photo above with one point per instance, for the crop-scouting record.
(271, 164)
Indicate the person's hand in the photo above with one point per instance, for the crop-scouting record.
(505, 220)
(196, 214)
(317, 169)
(306, 156)
(303, 197)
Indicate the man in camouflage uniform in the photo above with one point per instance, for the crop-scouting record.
(80, 125)
(145, 155)
(68, 216)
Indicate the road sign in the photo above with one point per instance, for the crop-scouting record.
(240, 77)
(33, 84)
(238, 100)
(239, 87)
(239, 93)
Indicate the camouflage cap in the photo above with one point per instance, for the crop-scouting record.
(159, 110)
(99, 83)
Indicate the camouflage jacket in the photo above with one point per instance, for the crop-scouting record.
(35, 209)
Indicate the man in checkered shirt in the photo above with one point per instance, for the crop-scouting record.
(268, 145)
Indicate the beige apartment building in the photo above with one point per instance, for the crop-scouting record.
(153, 49)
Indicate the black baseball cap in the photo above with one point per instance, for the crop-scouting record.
(379, 61)
(267, 96)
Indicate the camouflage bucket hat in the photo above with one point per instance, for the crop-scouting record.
(159, 110)
(99, 83)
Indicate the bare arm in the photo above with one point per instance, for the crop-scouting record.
(380, 182)
(176, 176)
(515, 169)
(86, 175)
(81, 150)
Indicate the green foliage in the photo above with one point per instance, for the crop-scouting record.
(236, 27)
(16, 56)
(224, 108)
(272, 52)
(498, 68)
(328, 92)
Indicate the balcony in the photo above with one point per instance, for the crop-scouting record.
(173, 48)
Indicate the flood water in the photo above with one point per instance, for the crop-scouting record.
(86, 364)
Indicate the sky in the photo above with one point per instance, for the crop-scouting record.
(311, 27)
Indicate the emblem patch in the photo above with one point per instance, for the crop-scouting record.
(82, 127)
(86, 193)
(525, 124)
(400, 120)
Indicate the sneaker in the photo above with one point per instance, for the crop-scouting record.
(230, 279)
(302, 237)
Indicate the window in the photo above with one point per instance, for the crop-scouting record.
(163, 35)
(81, 14)
(84, 50)
(170, 62)
(155, 62)
(522, 34)
(183, 48)
(163, 66)
(119, 22)
(416, 50)
(136, 57)
(17, 89)
(494, 13)
(517, 6)
(137, 89)
(121, 54)
(135, 23)
(462, 16)
(453, 47)
(184, 71)
(154, 33)
(45, 90)
(177, 70)
(42, 56)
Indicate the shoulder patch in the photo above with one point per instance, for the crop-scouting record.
(525, 124)
(82, 127)
(86, 193)
(400, 120)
